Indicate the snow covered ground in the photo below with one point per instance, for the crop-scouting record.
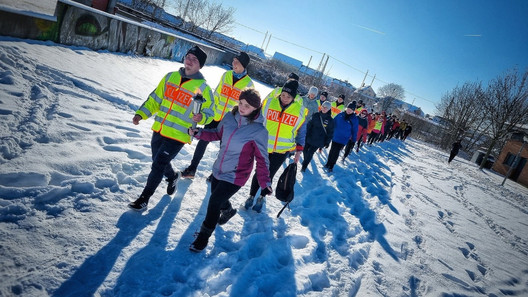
(395, 220)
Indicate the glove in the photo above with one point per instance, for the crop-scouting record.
(266, 191)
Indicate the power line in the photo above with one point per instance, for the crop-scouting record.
(342, 62)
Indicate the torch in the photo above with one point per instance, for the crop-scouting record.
(198, 100)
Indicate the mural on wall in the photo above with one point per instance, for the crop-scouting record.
(85, 28)
(81, 27)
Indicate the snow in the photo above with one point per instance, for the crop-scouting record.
(394, 220)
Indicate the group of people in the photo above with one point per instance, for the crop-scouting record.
(249, 129)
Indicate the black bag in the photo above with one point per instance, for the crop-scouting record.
(285, 185)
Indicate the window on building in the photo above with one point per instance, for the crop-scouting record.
(510, 158)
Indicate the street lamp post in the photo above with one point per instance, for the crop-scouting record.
(517, 158)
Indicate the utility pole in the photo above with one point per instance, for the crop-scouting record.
(269, 38)
(373, 80)
(265, 36)
(363, 82)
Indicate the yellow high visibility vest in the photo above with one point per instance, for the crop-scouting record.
(337, 109)
(227, 94)
(282, 125)
(172, 102)
(358, 110)
(275, 93)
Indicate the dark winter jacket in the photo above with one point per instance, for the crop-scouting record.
(345, 128)
(320, 129)
(241, 143)
(363, 122)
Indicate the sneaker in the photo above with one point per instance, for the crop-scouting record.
(188, 173)
(249, 202)
(258, 206)
(171, 186)
(209, 178)
(140, 204)
(226, 215)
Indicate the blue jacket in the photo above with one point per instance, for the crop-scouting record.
(345, 128)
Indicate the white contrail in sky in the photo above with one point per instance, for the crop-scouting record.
(366, 28)
(473, 35)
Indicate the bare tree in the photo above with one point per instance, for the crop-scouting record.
(219, 19)
(462, 109)
(391, 90)
(389, 93)
(505, 106)
(209, 16)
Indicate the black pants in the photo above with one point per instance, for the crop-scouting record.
(308, 152)
(349, 146)
(221, 191)
(199, 151)
(275, 162)
(452, 156)
(373, 136)
(333, 155)
(163, 151)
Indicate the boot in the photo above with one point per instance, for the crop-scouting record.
(171, 186)
(188, 172)
(140, 204)
(201, 240)
(249, 202)
(226, 215)
(258, 206)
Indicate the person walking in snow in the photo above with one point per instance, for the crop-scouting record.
(363, 122)
(171, 104)
(377, 130)
(406, 132)
(319, 132)
(226, 96)
(345, 128)
(284, 118)
(277, 91)
(243, 139)
(338, 106)
(454, 150)
(322, 99)
(310, 103)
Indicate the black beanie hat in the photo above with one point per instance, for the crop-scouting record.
(325, 94)
(342, 96)
(243, 58)
(293, 76)
(352, 105)
(290, 87)
(199, 53)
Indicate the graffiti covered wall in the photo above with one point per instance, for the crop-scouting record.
(87, 27)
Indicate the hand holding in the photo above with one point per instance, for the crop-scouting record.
(136, 119)
(297, 156)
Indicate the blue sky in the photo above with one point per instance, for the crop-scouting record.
(428, 47)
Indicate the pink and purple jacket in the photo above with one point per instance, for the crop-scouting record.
(241, 142)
